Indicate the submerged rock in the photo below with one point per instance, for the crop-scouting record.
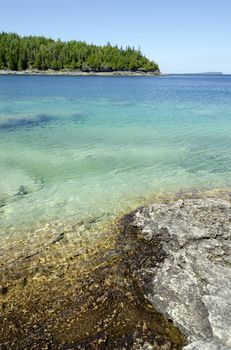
(67, 287)
(180, 254)
(2, 203)
(163, 275)
(21, 191)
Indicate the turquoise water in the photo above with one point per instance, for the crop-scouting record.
(91, 146)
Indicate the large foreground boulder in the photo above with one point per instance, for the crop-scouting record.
(183, 264)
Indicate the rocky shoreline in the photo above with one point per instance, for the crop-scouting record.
(80, 73)
(187, 275)
(160, 278)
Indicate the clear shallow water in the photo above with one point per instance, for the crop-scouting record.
(92, 146)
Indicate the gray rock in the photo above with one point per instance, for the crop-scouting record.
(2, 203)
(212, 344)
(21, 191)
(191, 282)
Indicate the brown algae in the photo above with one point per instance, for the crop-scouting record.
(71, 287)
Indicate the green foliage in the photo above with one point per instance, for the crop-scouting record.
(20, 53)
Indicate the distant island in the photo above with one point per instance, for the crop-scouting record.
(213, 73)
(35, 54)
(205, 73)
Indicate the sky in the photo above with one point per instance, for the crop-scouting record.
(182, 36)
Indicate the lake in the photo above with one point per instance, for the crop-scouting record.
(94, 147)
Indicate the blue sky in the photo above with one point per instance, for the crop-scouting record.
(180, 35)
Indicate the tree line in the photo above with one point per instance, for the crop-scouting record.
(37, 52)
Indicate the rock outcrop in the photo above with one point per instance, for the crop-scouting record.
(180, 254)
(160, 280)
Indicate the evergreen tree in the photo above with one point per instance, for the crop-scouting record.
(20, 53)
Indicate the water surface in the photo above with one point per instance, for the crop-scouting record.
(93, 146)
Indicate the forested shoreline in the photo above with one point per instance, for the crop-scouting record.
(36, 52)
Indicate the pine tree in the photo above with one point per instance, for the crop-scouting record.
(20, 53)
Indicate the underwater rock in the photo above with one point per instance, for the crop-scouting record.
(21, 191)
(160, 277)
(57, 239)
(182, 261)
(14, 185)
(2, 203)
(63, 287)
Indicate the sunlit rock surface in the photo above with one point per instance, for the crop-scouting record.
(186, 274)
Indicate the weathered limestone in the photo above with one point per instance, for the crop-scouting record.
(187, 271)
